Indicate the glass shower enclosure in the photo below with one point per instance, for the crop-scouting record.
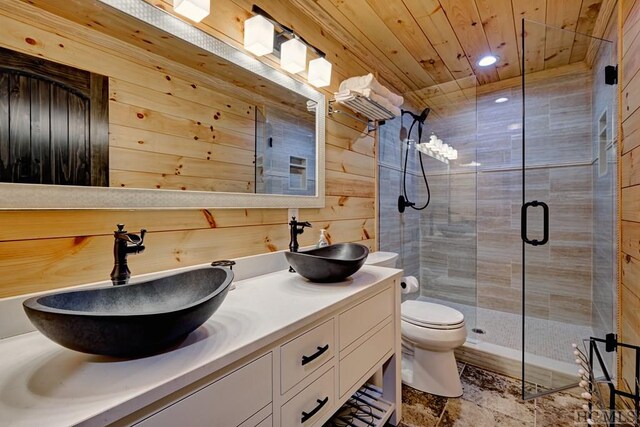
(520, 234)
(568, 211)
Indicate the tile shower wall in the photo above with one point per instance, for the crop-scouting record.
(398, 233)
(448, 241)
(469, 243)
(559, 161)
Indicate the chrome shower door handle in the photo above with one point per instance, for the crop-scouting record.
(545, 224)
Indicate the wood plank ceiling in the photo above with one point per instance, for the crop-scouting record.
(427, 43)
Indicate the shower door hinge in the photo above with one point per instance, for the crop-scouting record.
(611, 74)
(611, 342)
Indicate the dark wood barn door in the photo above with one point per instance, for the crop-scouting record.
(53, 123)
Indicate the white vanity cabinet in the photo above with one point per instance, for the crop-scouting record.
(229, 401)
(280, 351)
(303, 379)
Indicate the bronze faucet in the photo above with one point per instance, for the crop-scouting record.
(296, 228)
(125, 244)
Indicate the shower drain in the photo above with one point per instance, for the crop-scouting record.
(478, 331)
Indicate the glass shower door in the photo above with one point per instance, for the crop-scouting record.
(568, 211)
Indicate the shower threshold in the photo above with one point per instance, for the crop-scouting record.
(549, 359)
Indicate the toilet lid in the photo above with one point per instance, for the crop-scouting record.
(430, 315)
(380, 257)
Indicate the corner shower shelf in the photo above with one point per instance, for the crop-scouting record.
(373, 111)
(366, 408)
(423, 149)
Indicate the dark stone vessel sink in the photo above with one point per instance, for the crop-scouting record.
(131, 320)
(332, 263)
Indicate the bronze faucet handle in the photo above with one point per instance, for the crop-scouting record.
(132, 238)
(142, 234)
(224, 263)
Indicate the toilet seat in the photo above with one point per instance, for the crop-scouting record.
(432, 316)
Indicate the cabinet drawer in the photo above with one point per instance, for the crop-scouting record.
(267, 422)
(358, 320)
(262, 418)
(306, 353)
(227, 402)
(313, 403)
(357, 363)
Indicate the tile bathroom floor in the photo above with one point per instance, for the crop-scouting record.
(488, 400)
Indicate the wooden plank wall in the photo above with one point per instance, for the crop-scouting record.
(42, 250)
(630, 187)
(167, 139)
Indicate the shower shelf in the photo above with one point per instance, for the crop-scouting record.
(423, 149)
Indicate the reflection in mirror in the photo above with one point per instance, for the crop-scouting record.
(189, 120)
(285, 153)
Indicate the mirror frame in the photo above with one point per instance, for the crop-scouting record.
(37, 196)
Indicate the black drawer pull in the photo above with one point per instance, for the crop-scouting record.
(314, 356)
(321, 403)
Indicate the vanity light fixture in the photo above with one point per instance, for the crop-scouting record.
(293, 56)
(258, 35)
(196, 10)
(487, 60)
(319, 72)
(290, 46)
(501, 100)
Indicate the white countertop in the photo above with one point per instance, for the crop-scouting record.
(42, 383)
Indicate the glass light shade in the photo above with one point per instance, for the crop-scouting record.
(293, 56)
(258, 35)
(319, 72)
(196, 10)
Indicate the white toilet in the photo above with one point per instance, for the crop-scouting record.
(430, 333)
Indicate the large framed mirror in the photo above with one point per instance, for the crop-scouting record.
(219, 129)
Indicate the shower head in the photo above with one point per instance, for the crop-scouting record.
(423, 116)
(418, 118)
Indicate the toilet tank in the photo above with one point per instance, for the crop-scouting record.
(382, 259)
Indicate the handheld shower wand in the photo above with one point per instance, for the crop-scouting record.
(403, 199)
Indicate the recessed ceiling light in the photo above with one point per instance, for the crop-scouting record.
(501, 100)
(487, 60)
(472, 164)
